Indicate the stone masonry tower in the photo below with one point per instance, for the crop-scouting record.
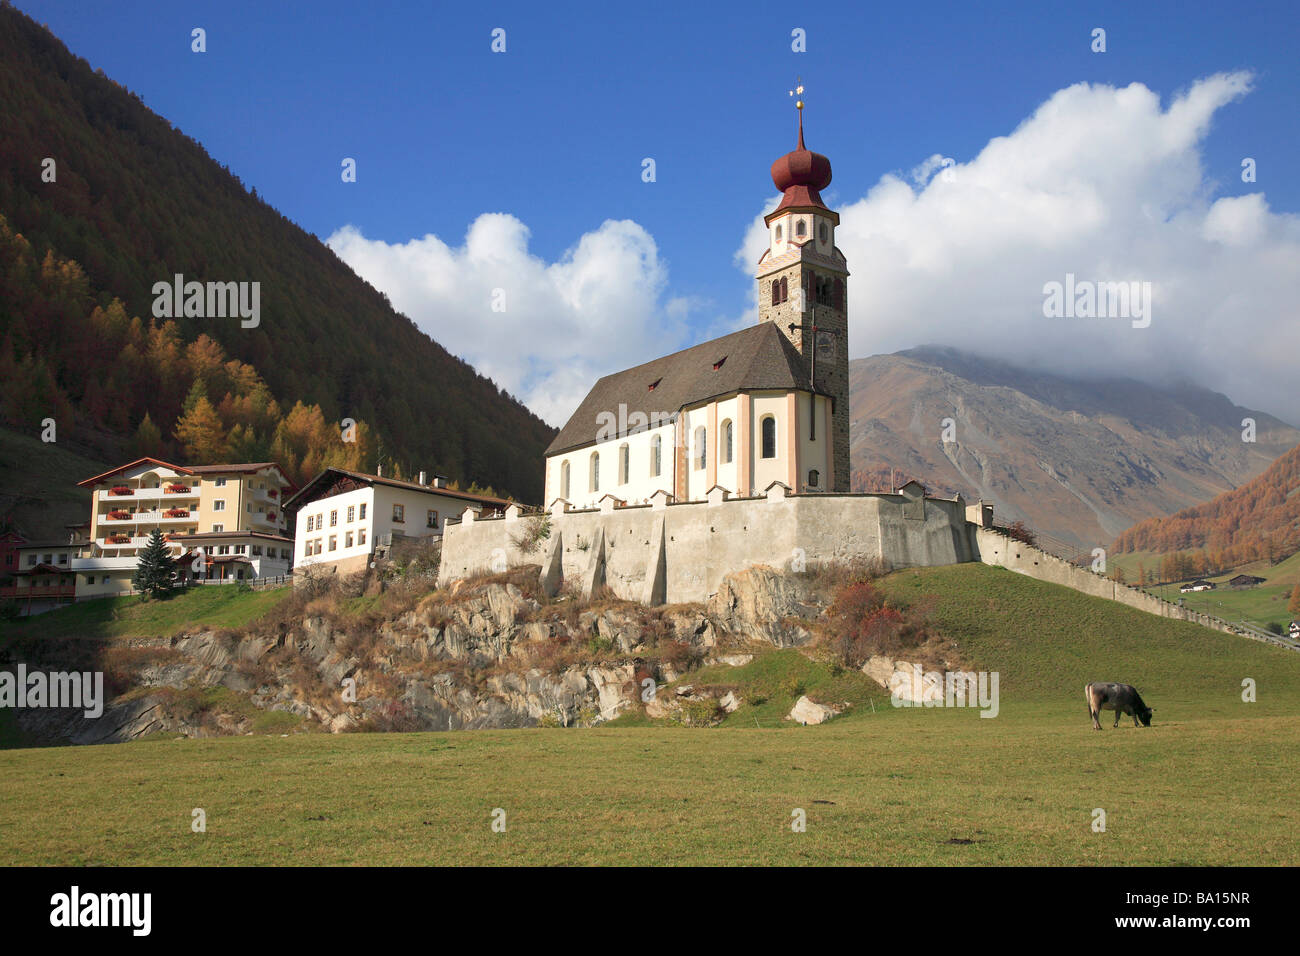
(803, 285)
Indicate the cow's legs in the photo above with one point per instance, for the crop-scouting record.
(1118, 714)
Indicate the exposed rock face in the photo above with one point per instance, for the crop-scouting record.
(762, 604)
(483, 655)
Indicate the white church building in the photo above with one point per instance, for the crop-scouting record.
(767, 404)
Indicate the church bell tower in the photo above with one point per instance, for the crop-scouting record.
(803, 285)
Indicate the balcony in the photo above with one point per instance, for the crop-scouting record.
(122, 494)
(87, 565)
(170, 517)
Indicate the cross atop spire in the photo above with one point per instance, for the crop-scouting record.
(798, 90)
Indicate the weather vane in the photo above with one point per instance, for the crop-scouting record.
(798, 89)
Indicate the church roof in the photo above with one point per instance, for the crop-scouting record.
(758, 357)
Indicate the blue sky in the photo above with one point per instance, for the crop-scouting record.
(553, 132)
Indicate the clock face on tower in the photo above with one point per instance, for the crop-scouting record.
(825, 345)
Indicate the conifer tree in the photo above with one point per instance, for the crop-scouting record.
(155, 572)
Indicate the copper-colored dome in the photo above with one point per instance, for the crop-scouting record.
(801, 175)
(802, 168)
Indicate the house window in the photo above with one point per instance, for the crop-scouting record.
(334, 518)
(218, 528)
(431, 519)
(362, 516)
(728, 439)
(701, 447)
(813, 477)
(90, 579)
(361, 536)
(311, 522)
(347, 540)
(656, 456)
(564, 480)
(223, 549)
(240, 549)
(284, 553)
(593, 478)
(334, 542)
(257, 550)
(768, 437)
(399, 514)
(624, 462)
(219, 504)
(352, 513)
(220, 482)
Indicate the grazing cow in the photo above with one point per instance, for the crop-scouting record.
(1121, 698)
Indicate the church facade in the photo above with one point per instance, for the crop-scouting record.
(767, 404)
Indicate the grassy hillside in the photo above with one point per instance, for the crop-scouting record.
(1211, 782)
(41, 502)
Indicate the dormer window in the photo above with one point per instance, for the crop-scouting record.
(718, 364)
(655, 384)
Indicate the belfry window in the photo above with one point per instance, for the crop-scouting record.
(800, 229)
(778, 233)
(813, 477)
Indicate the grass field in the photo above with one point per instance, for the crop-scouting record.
(1211, 782)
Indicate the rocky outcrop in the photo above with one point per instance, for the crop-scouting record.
(808, 711)
(484, 654)
(762, 604)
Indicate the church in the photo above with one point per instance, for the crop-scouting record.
(767, 404)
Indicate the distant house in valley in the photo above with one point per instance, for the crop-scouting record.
(343, 516)
(1197, 586)
(1245, 581)
(1295, 629)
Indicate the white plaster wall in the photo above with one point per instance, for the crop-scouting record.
(640, 484)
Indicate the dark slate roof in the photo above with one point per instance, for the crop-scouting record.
(755, 358)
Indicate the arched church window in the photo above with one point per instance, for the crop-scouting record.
(728, 438)
(564, 480)
(624, 460)
(701, 443)
(768, 437)
(656, 456)
(593, 479)
(776, 292)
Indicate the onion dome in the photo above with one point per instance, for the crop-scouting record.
(801, 175)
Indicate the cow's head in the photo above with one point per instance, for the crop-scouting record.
(1145, 716)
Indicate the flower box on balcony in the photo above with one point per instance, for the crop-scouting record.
(272, 493)
(176, 513)
(270, 516)
(119, 539)
(121, 490)
(118, 515)
(177, 489)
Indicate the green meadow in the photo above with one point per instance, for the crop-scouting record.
(1212, 781)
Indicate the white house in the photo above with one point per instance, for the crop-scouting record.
(341, 516)
(768, 403)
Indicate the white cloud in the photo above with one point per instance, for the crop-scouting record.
(1104, 183)
(1101, 182)
(600, 308)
